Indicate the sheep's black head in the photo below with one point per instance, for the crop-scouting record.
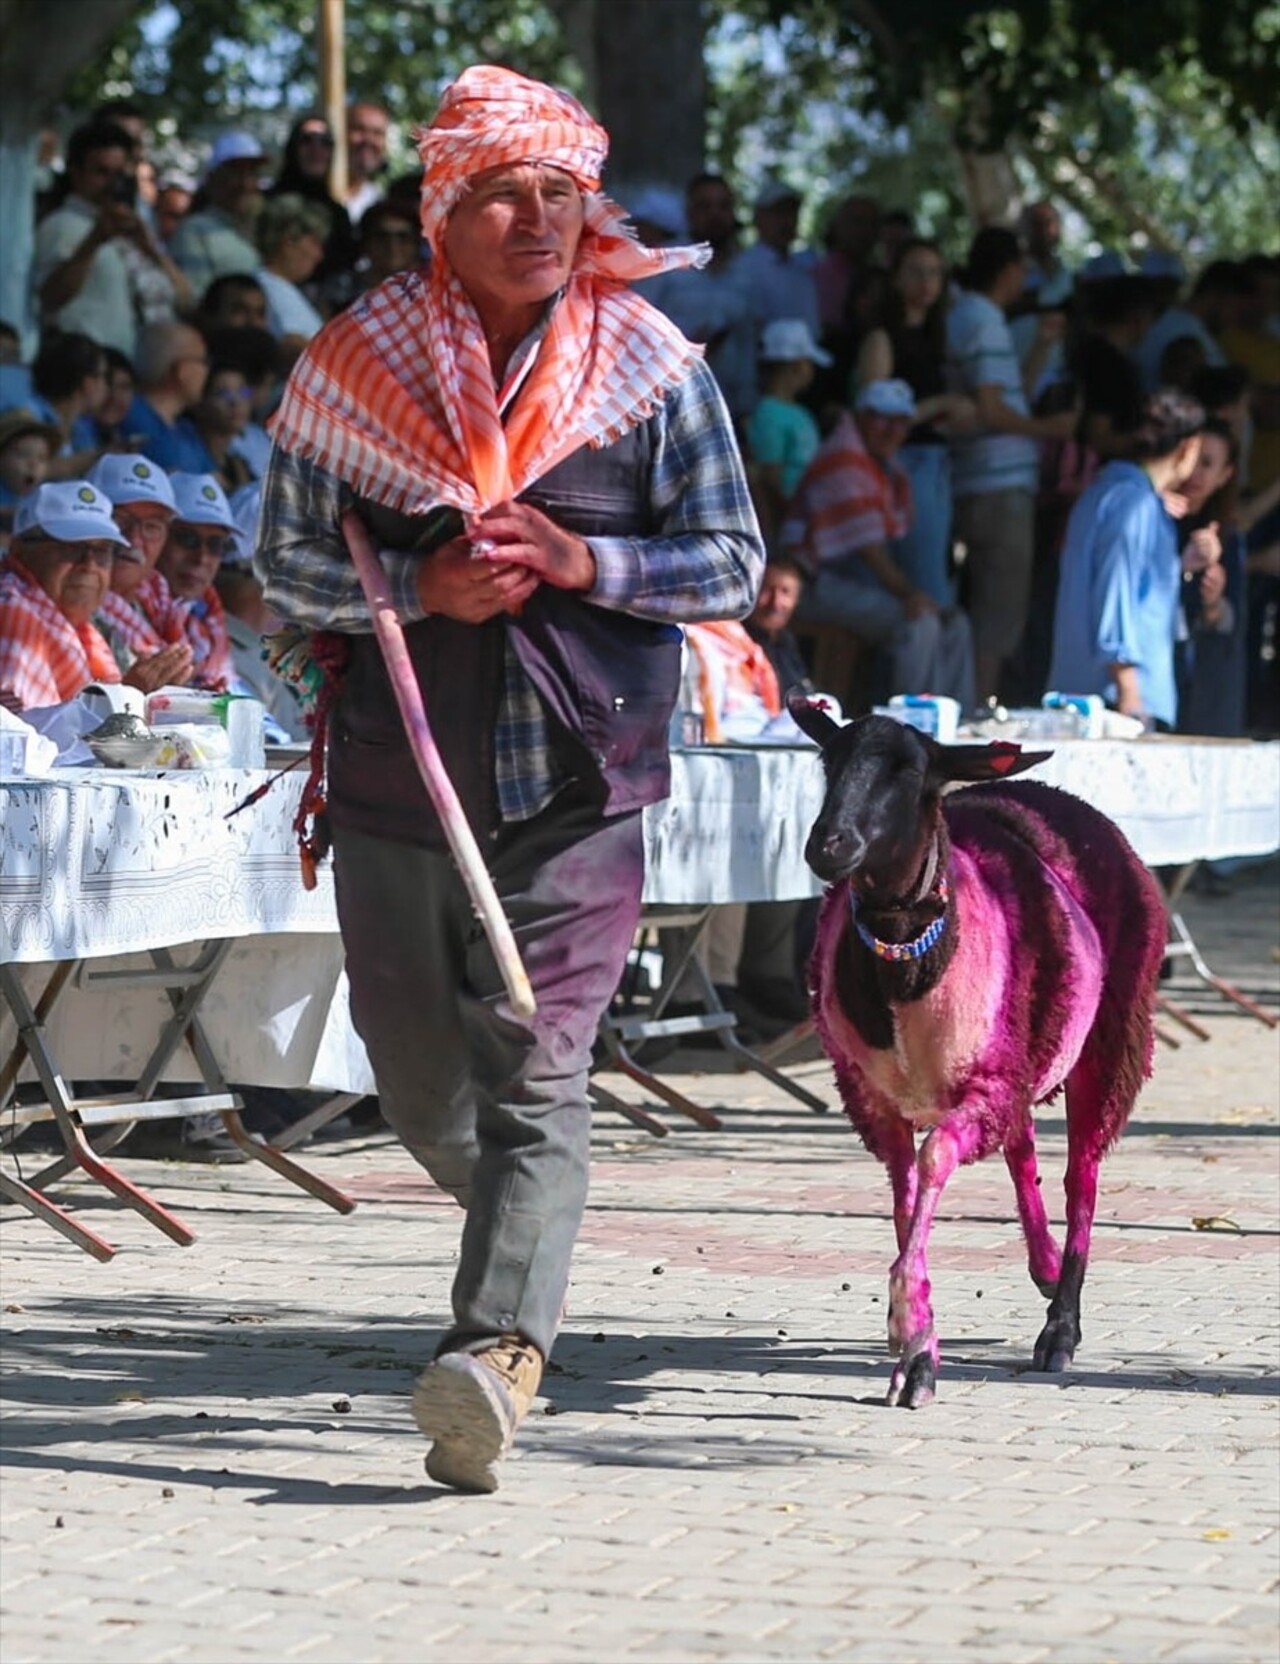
(884, 784)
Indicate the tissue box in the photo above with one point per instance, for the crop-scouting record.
(930, 713)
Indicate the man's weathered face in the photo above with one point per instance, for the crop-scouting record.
(779, 594)
(87, 579)
(191, 556)
(366, 140)
(512, 238)
(883, 435)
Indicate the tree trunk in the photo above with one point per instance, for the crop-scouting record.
(646, 81)
(990, 186)
(39, 53)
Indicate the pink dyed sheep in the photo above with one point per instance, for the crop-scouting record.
(973, 958)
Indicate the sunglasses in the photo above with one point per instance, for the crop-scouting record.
(212, 543)
(234, 395)
(316, 138)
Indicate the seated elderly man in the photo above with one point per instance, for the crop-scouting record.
(51, 583)
(201, 533)
(853, 501)
(150, 655)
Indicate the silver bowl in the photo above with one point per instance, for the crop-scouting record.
(124, 741)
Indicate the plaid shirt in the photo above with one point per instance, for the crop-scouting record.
(44, 658)
(703, 561)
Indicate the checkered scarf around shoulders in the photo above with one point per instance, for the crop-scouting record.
(396, 396)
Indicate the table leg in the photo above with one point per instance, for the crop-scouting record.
(79, 1150)
(35, 1201)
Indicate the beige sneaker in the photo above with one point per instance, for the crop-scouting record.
(469, 1404)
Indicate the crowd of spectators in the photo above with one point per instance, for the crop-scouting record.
(921, 437)
(975, 480)
(133, 438)
(929, 446)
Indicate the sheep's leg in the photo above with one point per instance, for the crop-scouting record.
(1044, 1259)
(911, 1332)
(898, 1153)
(1060, 1336)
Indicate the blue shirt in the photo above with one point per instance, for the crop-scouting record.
(1118, 592)
(981, 353)
(174, 446)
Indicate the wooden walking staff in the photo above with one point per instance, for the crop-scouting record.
(466, 852)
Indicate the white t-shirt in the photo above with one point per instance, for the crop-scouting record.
(103, 308)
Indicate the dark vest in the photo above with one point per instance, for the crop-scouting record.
(607, 682)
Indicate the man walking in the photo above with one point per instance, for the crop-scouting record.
(550, 474)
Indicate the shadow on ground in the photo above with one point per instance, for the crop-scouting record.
(96, 1388)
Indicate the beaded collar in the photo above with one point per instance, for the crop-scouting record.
(919, 945)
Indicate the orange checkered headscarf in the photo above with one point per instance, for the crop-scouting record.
(396, 395)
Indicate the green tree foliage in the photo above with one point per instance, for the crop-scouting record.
(1146, 118)
(235, 60)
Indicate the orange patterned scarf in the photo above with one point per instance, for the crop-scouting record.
(396, 396)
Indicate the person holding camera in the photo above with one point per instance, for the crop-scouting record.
(97, 268)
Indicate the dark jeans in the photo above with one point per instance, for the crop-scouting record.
(494, 1108)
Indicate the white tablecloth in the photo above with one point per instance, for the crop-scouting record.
(97, 863)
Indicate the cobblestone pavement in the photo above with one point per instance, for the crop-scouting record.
(208, 1453)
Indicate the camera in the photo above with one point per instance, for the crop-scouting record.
(124, 190)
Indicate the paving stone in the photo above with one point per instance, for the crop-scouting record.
(721, 1480)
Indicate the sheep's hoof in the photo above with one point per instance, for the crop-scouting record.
(912, 1384)
(1057, 1345)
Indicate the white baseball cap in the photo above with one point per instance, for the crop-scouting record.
(201, 501)
(892, 397)
(784, 340)
(132, 479)
(71, 511)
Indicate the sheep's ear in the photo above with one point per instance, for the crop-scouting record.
(981, 762)
(810, 716)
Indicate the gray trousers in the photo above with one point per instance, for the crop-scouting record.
(493, 1107)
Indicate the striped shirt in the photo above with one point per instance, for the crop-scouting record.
(44, 658)
(981, 353)
(704, 560)
(846, 501)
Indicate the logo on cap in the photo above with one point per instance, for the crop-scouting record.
(208, 493)
(141, 471)
(86, 494)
